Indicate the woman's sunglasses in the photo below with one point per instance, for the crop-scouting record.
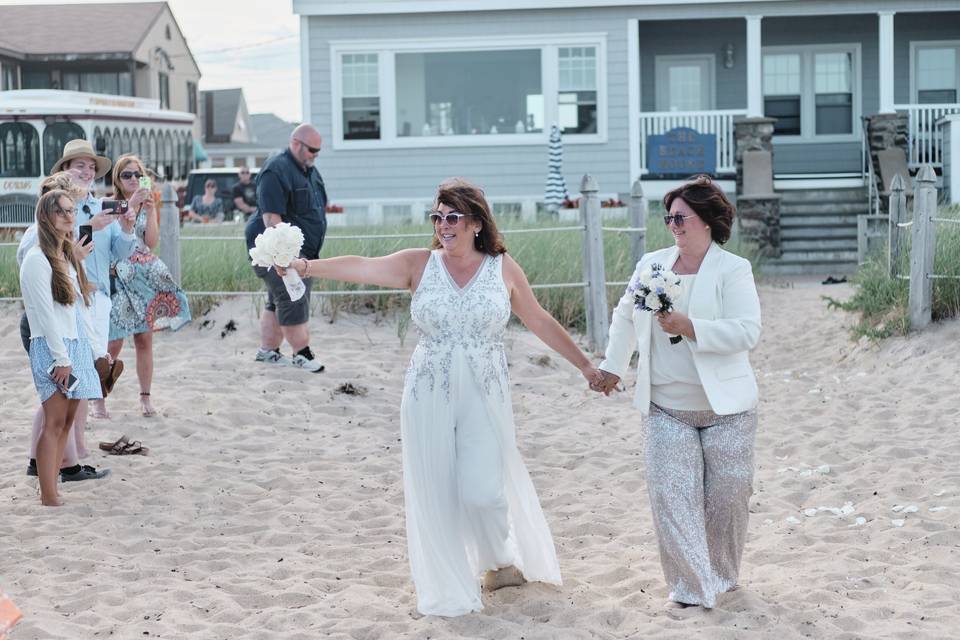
(676, 219)
(450, 218)
(126, 175)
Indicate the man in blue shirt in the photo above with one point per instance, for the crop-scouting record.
(290, 189)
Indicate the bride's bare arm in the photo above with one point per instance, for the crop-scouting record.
(396, 270)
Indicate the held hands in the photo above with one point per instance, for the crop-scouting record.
(606, 383)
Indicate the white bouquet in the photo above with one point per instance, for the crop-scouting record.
(657, 290)
(278, 246)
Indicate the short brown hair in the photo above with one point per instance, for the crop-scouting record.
(465, 197)
(709, 202)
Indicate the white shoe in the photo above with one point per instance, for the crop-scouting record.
(308, 362)
(271, 357)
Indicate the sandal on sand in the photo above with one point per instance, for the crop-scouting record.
(134, 448)
(115, 447)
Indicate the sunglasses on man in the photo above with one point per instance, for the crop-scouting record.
(313, 150)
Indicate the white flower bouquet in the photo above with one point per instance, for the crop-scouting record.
(657, 290)
(278, 246)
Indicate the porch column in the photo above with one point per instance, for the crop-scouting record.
(754, 68)
(886, 62)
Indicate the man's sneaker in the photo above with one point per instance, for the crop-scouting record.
(306, 360)
(86, 473)
(271, 356)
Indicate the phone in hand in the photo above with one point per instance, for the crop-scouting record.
(72, 380)
(145, 182)
(119, 207)
(86, 234)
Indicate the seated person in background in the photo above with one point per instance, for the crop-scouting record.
(208, 207)
(245, 194)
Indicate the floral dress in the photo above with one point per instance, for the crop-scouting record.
(147, 298)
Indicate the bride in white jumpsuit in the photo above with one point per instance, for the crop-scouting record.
(471, 507)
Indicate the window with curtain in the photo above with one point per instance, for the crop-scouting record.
(577, 85)
(937, 74)
(782, 93)
(360, 76)
(19, 150)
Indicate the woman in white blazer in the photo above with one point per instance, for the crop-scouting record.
(697, 396)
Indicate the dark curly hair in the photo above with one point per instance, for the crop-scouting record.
(465, 197)
(708, 201)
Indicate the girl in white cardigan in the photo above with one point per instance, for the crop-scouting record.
(56, 296)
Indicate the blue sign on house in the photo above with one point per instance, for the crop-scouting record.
(681, 152)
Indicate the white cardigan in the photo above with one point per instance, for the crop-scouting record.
(49, 319)
(725, 311)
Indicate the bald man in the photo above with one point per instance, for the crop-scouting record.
(290, 189)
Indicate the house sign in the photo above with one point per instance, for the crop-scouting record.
(681, 152)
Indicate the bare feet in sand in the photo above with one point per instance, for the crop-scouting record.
(505, 577)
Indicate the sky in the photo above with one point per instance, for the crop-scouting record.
(252, 44)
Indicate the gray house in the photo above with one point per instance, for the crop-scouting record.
(409, 92)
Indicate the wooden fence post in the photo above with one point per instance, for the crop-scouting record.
(637, 218)
(595, 293)
(169, 250)
(898, 214)
(923, 241)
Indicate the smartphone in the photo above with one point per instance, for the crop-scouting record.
(72, 380)
(86, 234)
(145, 182)
(119, 207)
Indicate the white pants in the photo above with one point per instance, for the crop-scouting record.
(100, 317)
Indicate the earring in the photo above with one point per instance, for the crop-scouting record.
(476, 234)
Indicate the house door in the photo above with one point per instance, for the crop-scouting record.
(685, 83)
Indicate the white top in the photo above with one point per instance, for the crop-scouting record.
(49, 319)
(675, 383)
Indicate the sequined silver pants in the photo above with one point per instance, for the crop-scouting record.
(700, 479)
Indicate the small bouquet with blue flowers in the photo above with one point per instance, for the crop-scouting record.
(657, 290)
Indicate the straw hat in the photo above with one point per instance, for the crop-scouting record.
(82, 149)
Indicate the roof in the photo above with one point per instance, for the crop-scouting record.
(226, 105)
(269, 130)
(29, 29)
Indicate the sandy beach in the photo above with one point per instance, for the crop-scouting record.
(271, 503)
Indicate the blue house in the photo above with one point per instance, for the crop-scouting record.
(409, 92)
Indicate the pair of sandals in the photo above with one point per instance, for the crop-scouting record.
(124, 447)
(108, 372)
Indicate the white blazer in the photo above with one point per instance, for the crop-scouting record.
(725, 311)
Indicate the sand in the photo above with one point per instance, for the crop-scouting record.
(271, 505)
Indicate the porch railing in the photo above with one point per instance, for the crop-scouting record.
(719, 123)
(924, 138)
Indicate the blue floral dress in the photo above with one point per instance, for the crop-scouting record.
(147, 298)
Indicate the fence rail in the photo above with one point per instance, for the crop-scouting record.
(718, 123)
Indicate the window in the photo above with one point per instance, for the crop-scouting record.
(54, 137)
(684, 83)
(36, 80)
(468, 93)
(813, 91)
(781, 92)
(192, 97)
(577, 100)
(361, 97)
(937, 74)
(462, 92)
(19, 150)
(112, 83)
(8, 79)
(164, 91)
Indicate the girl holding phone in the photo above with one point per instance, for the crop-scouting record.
(56, 295)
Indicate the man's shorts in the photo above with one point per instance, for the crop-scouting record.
(289, 313)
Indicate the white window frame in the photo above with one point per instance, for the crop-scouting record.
(387, 49)
(915, 45)
(808, 106)
(662, 64)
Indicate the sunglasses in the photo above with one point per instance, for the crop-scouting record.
(308, 147)
(676, 219)
(126, 175)
(450, 218)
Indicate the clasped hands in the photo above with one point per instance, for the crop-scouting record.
(604, 382)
